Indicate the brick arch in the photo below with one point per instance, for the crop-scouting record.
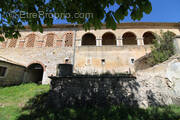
(129, 38)
(30, 40)
(108, 38)
(38, 62)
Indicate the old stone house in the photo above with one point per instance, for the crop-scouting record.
(92, 51)
(11, 73)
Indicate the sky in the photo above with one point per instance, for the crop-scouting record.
(162, 11)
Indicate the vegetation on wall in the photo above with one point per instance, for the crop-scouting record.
(163, 48)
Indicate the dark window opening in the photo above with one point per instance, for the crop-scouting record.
(89, 39)
(35, 73)
(132, 60)
(129, 39)
(148, 38)
(109, 39)
(2, 71)
(103, 61)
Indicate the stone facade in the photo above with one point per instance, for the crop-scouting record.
(68, 44)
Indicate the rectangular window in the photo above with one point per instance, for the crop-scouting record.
(2, 71)
(103, 61)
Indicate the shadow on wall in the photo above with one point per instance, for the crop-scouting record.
(93, 98)
(142, 63)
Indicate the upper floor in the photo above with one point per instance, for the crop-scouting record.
(64, 36)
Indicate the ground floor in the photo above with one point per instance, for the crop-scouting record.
(41, 63)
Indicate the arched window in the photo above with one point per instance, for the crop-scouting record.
(12, 43)
(69, 40)
(35, 73)
(148, 38)
(88, 39)
(30, 40)
(49, 40)
(129, 38)
(108, 39)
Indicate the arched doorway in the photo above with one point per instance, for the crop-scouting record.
(148, 38)
(35, 73)
(108, 39)
(129, 38)
(88, 39)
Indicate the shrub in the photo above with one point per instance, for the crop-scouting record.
(163, 48)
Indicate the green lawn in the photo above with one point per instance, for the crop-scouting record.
(12, 99)
(31, 102)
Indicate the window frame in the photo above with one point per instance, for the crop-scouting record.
(6, 71)
(130, 60)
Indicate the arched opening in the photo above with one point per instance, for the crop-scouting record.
(129, 38)
(88, 39)
(108, 39)
(35, 73)
(148, 38)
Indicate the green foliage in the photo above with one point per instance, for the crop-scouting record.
(9, 112)
(163, 48)
(15, 12)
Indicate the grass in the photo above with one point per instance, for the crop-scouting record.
(12, 99)
(32, 102)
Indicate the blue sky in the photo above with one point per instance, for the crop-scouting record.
(162, 11)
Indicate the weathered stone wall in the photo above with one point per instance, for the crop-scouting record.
(158, 85)
(34, 47)
(98, 90)
(47, 57)
(110, 89)
(14, 74)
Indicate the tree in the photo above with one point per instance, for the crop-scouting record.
(163, 48)
(13, 13)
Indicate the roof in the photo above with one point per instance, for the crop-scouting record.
(3, 59)
(122, 25)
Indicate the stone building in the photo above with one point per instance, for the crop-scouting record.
(11, 73)
(92, 51)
